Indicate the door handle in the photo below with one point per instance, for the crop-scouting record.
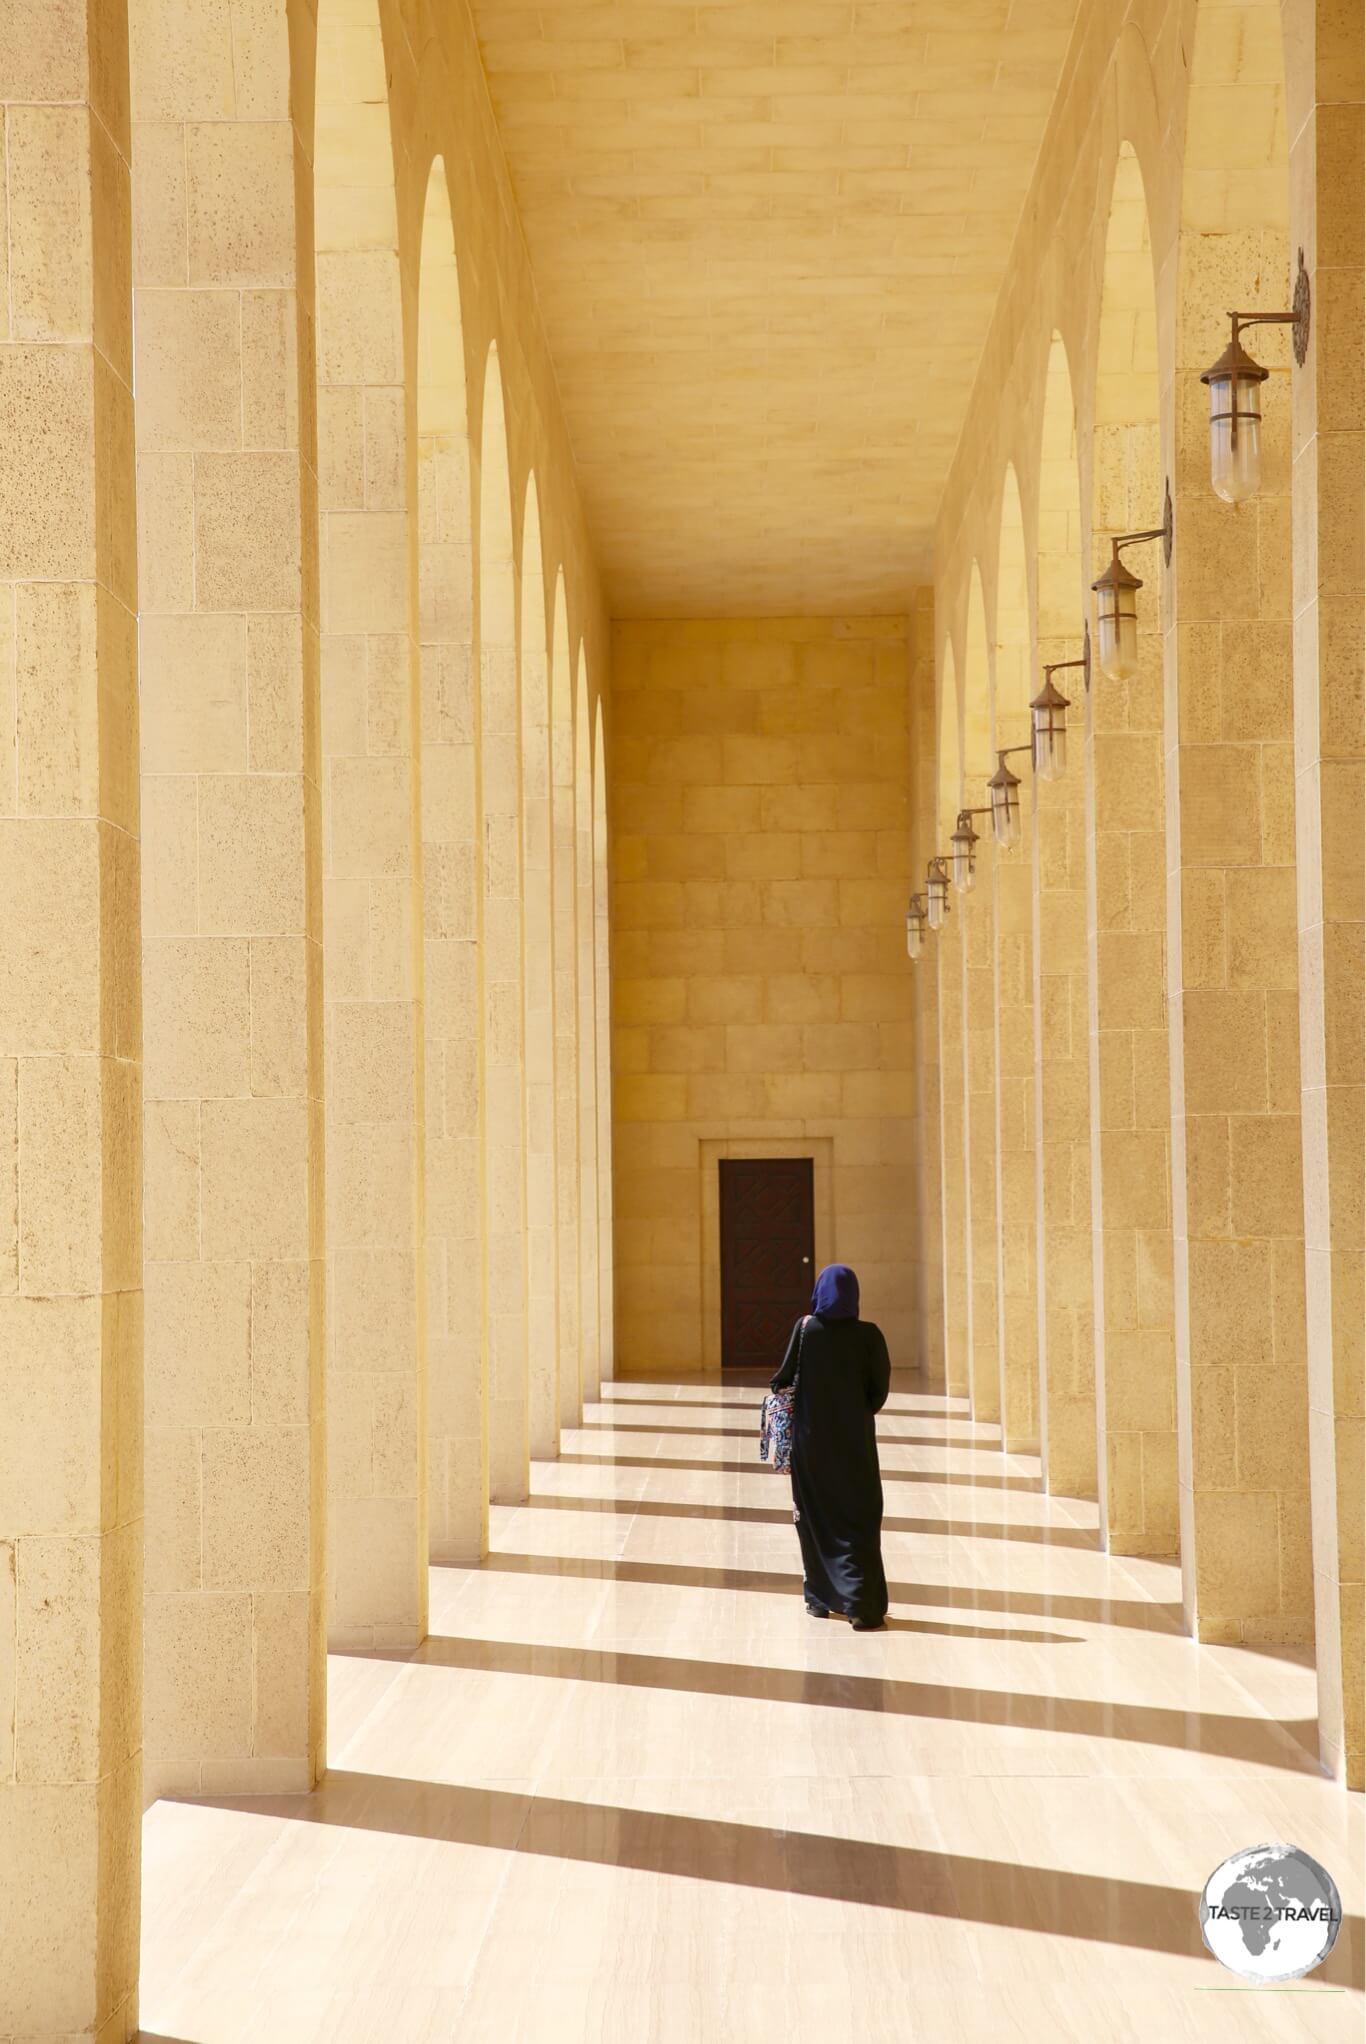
(806, 1259)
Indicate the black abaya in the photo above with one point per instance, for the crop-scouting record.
(836, 1483)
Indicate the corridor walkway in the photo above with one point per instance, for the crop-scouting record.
(629, 1793)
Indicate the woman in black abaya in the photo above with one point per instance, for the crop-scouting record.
(836, 1483)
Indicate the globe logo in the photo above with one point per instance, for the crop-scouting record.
(1270, 1913)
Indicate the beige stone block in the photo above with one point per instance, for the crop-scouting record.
(247, 532)
(198, 1335)
(49, 965)
(193, 678)
(56, 734)
(370, 1180)
(283, 1624)
(798, 996)
(199, 1675)
(64, 1246)
(370, 1061)
(1221, 818)
(275, 694)
(658, 1097)
(1237, 1559)
(254, 1179)
(687, 954)
(725, 999)
(286, 1303)
(798, 904)
(251, 855)
(1267, 1187)
(878, 1093)
(173, 1530)
(1131, 980)
(374, 1324)
(197, 1031)
(279, 972)
(58, 1639)
(764, 1047)
(49, 178)
(685, 1050)
(189, 355)
(270, 377)
(46, 464)
(803, 1096)
(1230, 1301)
(678, 858)
(810, 805)
(256, 1509)
(166, 556)
(644, 1001)
(775, 855)
(1225, 1052)
(240, 187)
(52, 1364)
(735, 1098)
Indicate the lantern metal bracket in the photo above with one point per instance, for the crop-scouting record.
(1053, 667)
(1298, 317)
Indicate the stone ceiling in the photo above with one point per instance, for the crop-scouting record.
(768, 236)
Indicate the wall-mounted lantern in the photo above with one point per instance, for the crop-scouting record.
(915, 926)
(936, 893)
(1117, 600)
(1235, 387)
(1004, 787)
(963, 850)
(1049, 714)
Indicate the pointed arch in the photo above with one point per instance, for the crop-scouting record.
(457, 1415)
(565, 906)
(504, 1208)
(588, 1081)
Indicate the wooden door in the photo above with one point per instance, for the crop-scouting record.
(768, 1248)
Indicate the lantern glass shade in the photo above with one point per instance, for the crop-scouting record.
(915, 932)
(1235, 438)
(963, 848)
(1005, 807)
(1049, 713)
(1235, 423)
(1117, 622)
(936, 899)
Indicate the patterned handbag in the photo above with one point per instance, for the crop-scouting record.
(775, 1417)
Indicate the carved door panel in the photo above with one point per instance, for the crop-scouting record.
(768, 1242)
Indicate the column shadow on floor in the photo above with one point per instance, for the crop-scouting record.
(751, 1433)
(1261, 1742)
(1135, 1613)
(781, 1515)
(908, 1879)
(1029, 1485)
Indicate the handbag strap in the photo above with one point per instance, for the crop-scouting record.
(801, 1336)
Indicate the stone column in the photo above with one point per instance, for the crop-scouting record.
(565, 922)
(1127, 1031)
(1067, 1382)
(976, 924)
(945, 954)
(231, 913)
(1237, 1220)
(590, 1361)
(1011, 873)
(70, 1040)
(1324, 65)
(376, 1389)
(602, 957)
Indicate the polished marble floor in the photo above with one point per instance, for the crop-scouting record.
(629, 1793)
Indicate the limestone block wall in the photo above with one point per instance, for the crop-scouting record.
(761, 993)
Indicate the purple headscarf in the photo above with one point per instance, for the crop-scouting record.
(836, 1293)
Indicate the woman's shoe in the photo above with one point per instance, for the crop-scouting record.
(869, 1624)
(816, 1610)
